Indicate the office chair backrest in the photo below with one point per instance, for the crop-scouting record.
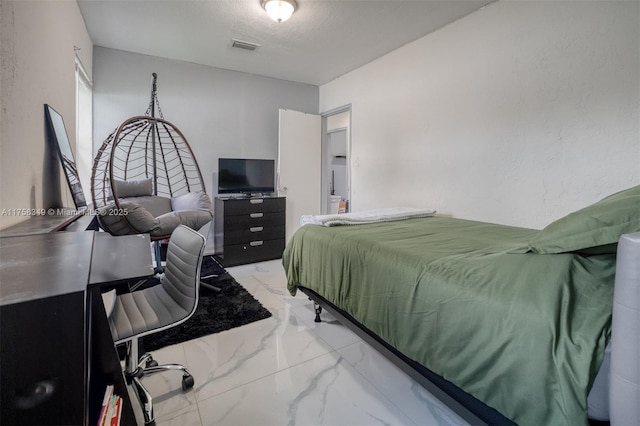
(182, 271)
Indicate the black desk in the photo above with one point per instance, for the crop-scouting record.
(117, 258)
(58, 220)
(57, 352)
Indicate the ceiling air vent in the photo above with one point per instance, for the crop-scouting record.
(246, 45)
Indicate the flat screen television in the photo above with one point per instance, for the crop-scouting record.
(246, 176)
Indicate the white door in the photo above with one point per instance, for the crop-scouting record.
(299, 165)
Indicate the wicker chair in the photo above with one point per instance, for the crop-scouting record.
(145, 178)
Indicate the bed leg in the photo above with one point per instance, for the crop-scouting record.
(318, 309)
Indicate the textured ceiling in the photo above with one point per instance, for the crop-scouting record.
(323, 40)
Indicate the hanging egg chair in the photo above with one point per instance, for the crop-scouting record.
(145, 178)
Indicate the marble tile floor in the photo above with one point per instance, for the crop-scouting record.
(288, 370)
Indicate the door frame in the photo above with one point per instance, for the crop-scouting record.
(325, 166)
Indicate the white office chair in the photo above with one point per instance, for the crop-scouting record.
(157, 308)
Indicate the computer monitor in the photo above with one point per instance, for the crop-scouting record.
(59, 141)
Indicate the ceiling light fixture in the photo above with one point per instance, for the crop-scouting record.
(279, 10)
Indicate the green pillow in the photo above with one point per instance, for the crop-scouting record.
(597, 227)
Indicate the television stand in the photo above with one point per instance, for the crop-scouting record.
(249, 229)
(257, 195)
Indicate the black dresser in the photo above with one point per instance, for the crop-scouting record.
(249, 230)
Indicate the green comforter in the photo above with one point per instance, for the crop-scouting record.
(524, 333)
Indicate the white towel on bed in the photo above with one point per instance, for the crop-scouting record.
(368, 216)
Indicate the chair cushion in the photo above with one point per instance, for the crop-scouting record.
(145, 311)
(198, 200)
(194, 219)
(154, 215)
(133, 188)
(111, 219)
(154, 204)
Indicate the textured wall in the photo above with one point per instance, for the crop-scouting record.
(517, 114)
(39, 42)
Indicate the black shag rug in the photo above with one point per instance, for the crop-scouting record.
(231, 307)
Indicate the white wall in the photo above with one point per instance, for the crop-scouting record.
(516, 114)
(221, 113)
(37, 67)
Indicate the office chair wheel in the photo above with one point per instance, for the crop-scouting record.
(187, 382)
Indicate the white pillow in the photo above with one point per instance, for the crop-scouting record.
(191, 201)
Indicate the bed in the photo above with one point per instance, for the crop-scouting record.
(512, 323)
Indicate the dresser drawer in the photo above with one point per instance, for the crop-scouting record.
(249, 230)
(255, 251)
(253, 233)
(245, 221)
(254, 205)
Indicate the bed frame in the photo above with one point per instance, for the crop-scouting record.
(624, 380)
(466, 406)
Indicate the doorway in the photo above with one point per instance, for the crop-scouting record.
(305, 174)
(336, 176)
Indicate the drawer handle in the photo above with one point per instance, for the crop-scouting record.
(256, 229)
(256, 215)
(256, 243)
(256, 201)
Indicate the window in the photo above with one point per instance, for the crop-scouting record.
(84, 128)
